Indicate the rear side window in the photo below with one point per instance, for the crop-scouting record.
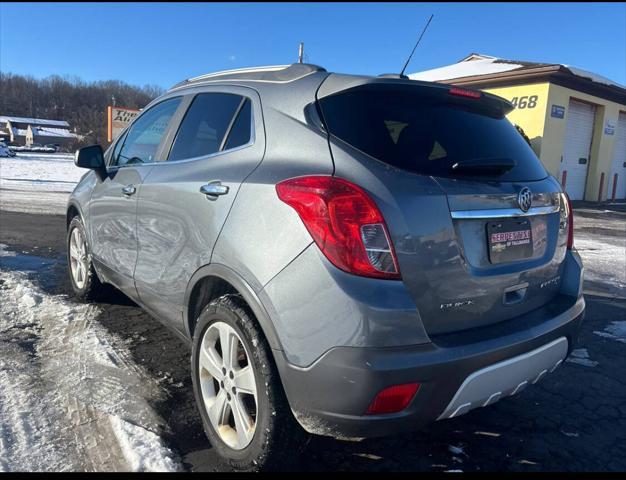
(240, 133)
(427, 133)
(205, 125)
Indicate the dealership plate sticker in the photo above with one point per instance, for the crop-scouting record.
(509, 240)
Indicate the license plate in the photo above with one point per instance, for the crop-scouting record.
(509, 240)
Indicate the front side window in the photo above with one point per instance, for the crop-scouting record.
(118, 146)
(144, 136)
(207, 123)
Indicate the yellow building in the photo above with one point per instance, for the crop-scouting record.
(576, 120)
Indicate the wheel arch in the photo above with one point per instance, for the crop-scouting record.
(226, 281)
(72, 210)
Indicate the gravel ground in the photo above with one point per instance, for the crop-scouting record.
(574, 420)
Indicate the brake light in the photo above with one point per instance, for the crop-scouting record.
(344, 222)
(393, 399)
(570, 223)
(461, 92)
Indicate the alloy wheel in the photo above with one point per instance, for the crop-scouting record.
(78, 258)
(228, 385)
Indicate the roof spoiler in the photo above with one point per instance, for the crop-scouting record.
(337, 83)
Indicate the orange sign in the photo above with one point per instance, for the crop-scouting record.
(117, 119)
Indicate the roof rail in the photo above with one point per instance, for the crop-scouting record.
(238, 71)
(276, 73)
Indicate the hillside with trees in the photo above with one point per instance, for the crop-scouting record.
(82, 104)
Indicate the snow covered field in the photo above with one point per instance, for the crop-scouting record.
(37, 182)
(71, 398)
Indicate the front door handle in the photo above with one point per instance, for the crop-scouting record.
(214, 189)
(129, 190)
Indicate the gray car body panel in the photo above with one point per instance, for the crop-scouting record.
(316, 306)
(277, 237)
(356, 375)
(317, 318)
(175, 240)
(113, 224)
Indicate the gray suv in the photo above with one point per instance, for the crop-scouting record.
(347, 255)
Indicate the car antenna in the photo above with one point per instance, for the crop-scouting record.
(301, 52)
(418, 41)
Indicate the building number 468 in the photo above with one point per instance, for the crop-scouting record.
(524, 102)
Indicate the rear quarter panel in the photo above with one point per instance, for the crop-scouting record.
(262, 234)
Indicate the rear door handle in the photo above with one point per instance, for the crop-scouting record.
(129, 190)
(214, 189)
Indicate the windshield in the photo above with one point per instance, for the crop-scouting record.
(428, 131)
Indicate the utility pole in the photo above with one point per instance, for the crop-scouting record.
(301, 52)
(113, 100)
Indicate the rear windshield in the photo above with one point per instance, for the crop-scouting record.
(428, 132)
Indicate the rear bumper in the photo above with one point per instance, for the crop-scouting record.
(457, 372)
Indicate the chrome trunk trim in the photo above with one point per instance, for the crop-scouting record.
(502, 213)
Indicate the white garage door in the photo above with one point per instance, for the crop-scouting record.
(618, 166)
(578, 135)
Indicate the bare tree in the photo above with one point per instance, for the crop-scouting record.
(82, 104)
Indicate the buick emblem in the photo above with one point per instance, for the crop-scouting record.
(525, 199)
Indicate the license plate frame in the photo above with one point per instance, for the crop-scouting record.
(509, 240)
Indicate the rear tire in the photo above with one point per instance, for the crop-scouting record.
(277, 438)
(83, 278)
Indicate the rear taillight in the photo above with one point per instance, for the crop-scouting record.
(567, 219)
(570, 223)
(393, 399)
(344, 222)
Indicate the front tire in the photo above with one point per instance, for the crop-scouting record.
(242, 404)
(83, 278)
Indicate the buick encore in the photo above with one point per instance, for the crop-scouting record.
(350, 256)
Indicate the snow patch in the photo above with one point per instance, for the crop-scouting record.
(64, 380)
(30, 300)
(615, 331)
(580, 356)
(579, 72)
(464, 69)
(456, 450)
(37, 183)
(143, 449)
(6, 253)
(487, 434)
(55, 173)
(604, 262)
(489, 65)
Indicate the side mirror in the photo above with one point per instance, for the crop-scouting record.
(90, 157)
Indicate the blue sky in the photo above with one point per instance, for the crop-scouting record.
(164, 43)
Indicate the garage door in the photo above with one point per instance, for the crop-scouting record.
(618, 166)
(578, 135)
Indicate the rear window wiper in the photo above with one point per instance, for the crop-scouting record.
(484, 166)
